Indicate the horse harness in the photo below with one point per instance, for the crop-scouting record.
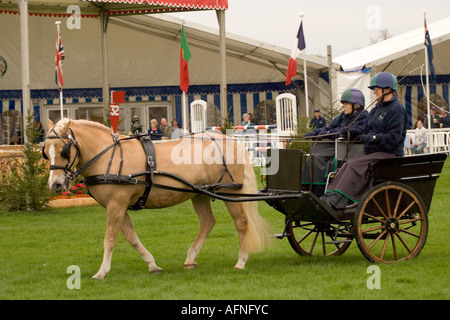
(131, 179)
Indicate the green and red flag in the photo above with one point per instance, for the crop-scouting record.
(185, 55)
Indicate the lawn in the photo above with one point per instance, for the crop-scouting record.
(37, 248)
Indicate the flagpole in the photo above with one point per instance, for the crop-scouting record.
(60, 88)
(185, 120)
(185, 116)
(305, 73)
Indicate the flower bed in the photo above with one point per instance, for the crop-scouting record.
(79, 190)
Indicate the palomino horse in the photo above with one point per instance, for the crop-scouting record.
(74, 144)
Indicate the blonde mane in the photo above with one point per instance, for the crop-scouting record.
(61, 125)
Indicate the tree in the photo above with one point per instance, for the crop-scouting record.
(26, 187)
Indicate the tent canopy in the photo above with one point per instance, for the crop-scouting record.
(117, 7)
(395, 53)
(143, 51)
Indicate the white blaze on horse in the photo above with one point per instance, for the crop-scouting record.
(76, 147)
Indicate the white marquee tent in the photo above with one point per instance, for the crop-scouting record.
(143, 60)
(403, 55)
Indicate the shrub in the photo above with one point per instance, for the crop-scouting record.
(25, 186)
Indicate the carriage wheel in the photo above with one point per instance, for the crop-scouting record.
(308, 238)
(391, 223)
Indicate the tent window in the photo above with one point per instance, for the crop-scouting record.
(11, 124)
(265, 113)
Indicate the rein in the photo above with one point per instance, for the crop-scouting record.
(149, 149)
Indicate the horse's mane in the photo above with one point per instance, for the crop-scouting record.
(85, 123)
(92, 124)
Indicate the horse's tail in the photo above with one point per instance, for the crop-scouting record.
(258, 232)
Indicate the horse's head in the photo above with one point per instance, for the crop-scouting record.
(62, 150)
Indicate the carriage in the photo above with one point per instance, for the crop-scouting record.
(390, 224)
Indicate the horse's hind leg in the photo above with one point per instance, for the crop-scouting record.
(202, 206)
(114, 217)
(236, 210)
(131, 236)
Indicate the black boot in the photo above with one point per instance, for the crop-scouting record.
(336, 200)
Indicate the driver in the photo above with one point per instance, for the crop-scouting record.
(384, 138)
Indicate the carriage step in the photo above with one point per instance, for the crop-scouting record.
(338, 241)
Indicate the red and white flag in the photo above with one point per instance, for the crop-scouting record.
(299, 45)
(59, 57)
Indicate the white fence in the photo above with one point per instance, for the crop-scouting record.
(438, 141)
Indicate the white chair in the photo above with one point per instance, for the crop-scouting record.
(198, 116)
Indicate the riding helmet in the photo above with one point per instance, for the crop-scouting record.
(353, 96)
(385, 80)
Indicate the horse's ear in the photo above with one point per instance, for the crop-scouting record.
(49, 124)
(66, 128)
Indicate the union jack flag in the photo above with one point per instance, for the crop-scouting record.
(59, 57)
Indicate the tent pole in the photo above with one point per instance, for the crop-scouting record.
(104, 45)
(223, 67)
(25, 55)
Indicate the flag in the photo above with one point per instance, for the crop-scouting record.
(299, 45)
(429, 48)
(59, 57)
(118, 97)
(185, 55)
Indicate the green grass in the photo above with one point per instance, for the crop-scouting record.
(37, 248)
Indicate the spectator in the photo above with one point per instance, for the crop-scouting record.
(154, 132)
(165, 128)
(420, 138)
(317, 121)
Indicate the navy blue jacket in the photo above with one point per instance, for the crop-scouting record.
(388, 122)
(318, 123)
(340, 124)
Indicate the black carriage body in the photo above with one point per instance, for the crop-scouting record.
(420, 172)
(390, 223)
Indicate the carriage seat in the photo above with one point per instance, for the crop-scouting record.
(406, 168)
(420, 172)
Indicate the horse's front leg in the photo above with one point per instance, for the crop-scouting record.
(114, 218)
(131, 236)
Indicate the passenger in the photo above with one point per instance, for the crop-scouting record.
(384, 138)
(322, 159)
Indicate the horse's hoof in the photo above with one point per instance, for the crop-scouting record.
(155, 270)
(190, 266)
(98, 277)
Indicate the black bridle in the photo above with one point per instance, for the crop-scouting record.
(69, 173)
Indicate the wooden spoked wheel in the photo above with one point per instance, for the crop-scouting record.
(391, 223)
(308, 238)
